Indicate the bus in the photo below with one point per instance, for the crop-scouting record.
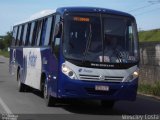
(78, 53)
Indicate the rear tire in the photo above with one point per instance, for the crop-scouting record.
(107, 103)
(21, 86)
(49, 100)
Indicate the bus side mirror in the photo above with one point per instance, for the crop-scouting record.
(58, 30)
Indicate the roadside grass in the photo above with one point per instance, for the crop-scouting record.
(147, 88)
(149, 36)
(4, 53)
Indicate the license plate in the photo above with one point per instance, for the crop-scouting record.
(101, 88)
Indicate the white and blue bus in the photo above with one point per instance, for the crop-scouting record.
(78, 53)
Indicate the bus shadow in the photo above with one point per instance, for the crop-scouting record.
(89, 107)
(139, 107)
(143, 105)
(31, 90)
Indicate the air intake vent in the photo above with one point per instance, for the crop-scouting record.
(100, 78)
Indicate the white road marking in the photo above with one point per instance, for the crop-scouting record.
(5, 107)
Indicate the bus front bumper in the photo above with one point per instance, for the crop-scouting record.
(79, 89)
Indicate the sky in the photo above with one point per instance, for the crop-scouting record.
(146, 12)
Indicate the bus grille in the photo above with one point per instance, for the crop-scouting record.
(97, 78)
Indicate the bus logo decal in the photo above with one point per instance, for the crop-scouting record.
(101, 77)
(32, 59)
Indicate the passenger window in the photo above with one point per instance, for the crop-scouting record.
(38, 33)
(43, 31)
(15, 30)
(52, 31)
(34, 37)
(28, 35)
(56, 40)
(56, 47)
(48, 31)
(31, 32)
(24, 34)
(21, 36)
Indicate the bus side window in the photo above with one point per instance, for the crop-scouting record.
(15, 30)
(56, 40)
(34, 37)
(56, 47)
(31, 33)
(19, 35)
(52, 31)
(28, 35)
(24, 34)
(34, 34)
(48, 31)
(38, 33)
(43, 32)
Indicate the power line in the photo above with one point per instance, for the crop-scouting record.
(140, 8)
(147, 11)
(151, 2)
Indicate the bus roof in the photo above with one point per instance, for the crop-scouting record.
(38, 15)
(62, 10)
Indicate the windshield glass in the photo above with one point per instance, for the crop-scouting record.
(100, 38)
(80, 33)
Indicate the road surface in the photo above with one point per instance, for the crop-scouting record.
(31, 103)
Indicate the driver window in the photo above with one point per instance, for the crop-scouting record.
(56, 41)
(56, 47)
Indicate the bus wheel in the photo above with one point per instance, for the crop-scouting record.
(21, 86)
(107, 103)
(50, 101)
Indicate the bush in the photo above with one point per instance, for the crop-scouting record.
(4, 53)
(147, 88)
(156, 89)
(5, 41)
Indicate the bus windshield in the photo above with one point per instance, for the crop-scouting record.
(100, 38)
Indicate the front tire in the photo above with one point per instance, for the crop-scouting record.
(107, 103)
(49, 100)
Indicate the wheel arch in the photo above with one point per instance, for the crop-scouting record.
(42, 81)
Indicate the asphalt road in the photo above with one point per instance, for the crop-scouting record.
(31, 103)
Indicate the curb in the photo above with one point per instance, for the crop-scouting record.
(151, 96)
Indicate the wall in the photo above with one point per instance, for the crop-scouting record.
(150, 62)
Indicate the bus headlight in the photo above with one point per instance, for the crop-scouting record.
(67, 71)
(131, 77)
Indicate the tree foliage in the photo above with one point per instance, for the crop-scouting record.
(5, 41)
(2, 45)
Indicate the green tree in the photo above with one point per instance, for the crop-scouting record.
(7, 39)
(2, 45)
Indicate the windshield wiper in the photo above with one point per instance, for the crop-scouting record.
(118, 55)
(121, 56)
(88, 43)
